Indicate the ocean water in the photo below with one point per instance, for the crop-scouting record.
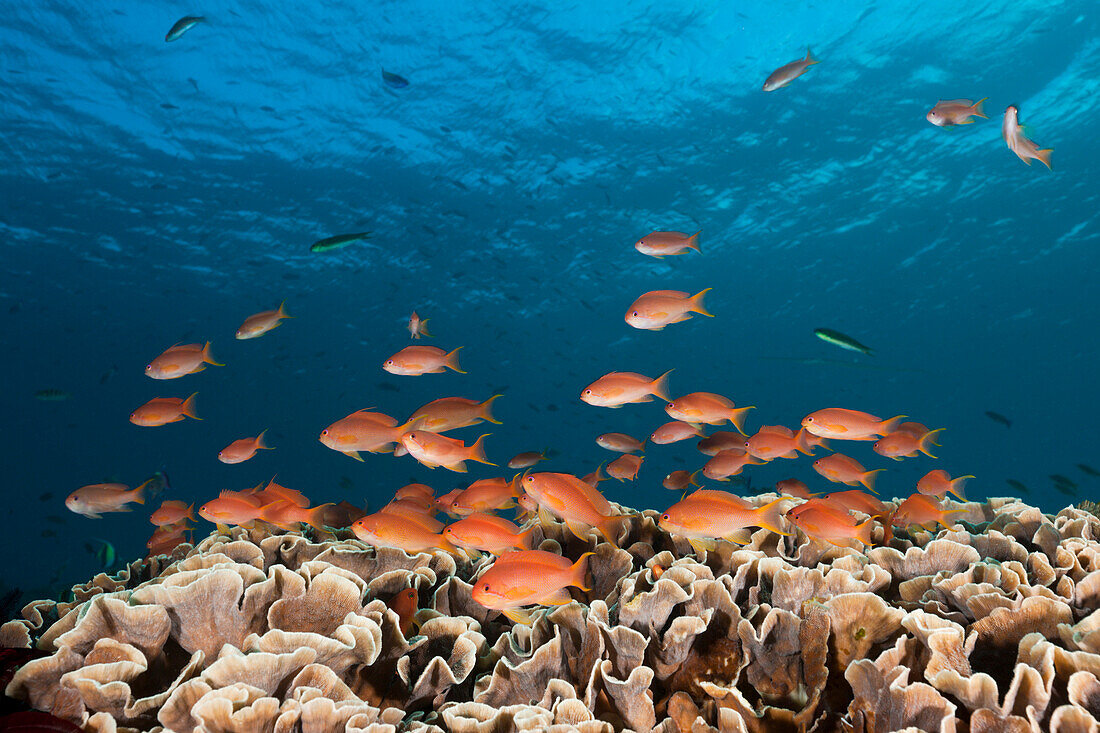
(155, 193)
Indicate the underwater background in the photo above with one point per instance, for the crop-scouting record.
(155, 193)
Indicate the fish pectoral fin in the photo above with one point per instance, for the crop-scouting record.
(459, 467)
(739, 537)
(558, 598)
(700, 545)
(519, 616)
(579, 530)
(353, 454)
(546, 519)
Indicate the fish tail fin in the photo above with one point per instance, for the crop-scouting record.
(976, 109)
(1044, 157)
(770, 516)
(260, 444)
(484, 412)
(444, 544)
(737, 417)
(929, 439)
(526, 539)
(806, 442)
(208, 357)
(579, 571)
(188, 407)
(691, 477)
(609, 527)
(891, 425)
(810, 60)
(451, 361)
(697, 303)
(693, 242)
(956, 487)
(477, 451)
(868, 479)
(423, 331)
(190, 513)
(281, 312)
(315, 517)
(138, 494)
(659, 386)
(863, 532)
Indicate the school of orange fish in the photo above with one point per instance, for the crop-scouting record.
(524, 577)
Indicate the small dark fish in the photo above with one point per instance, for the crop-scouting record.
(394, 81)
(108, 374)
(55, 519)
(168, 105)
(1060, 479)
(998, 417)
(103, 551)
(337, 241)
(52, 395)
(1085, 468)
(181, 26)
(155, 484)
(346, 483)
(46, 496)
(836, 338)
(1018, 486)
(388, 387)
(48, 533)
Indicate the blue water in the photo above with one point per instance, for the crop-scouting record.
(161, 192)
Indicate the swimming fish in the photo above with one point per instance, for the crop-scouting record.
(666, 244)
(625, 467)
(171, 511)
(103, 551)
(1087, 469)
(488, 533)
(1017, 485)
(418, 326)
(787, 73)
(337, 241)
(388, 530)
(709, 515)
(949, 112)
(484, 495)
(394, 81)
(923, 510)
(1064, 484)
(842, 469)
(619, 442)
(998, 417)
(277, 492)
(836, 338)
(1013, 134)
(719, 441)
(243, 449)
(619, 388)
(288, 515)
(574, 502)
(258, 324)
(412, 361)
(674, 432)
(526, 459)
(94, 500)
(452, 413)
(232, 508)
(906, 444)
(180, 360)
(844, 424)
(181, 26)
(655, 310)
(433, 450)
(416, 491)
(527, 578)
(707, 408)
(777, 441)
(794, 487)
(163, 410)
(856, 501)
(938, 482)
(404, 604)
(833, 526)
(729, 462)
(679, 480)
(414, 513)
(373, 432)
(52, 395)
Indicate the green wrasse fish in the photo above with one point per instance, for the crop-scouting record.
(337, 241)
(181, 26)
(836, 338)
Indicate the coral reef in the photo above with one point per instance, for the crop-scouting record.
(994, 627)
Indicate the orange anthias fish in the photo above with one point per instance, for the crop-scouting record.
(96, 499)
(364, 431)
(729, 462)
(787, 73)
(679, 480)
(794, 487)
(167, 538)
(655, 310)
(241, 450)
(405, 605)
(526, 459)
(443, 503)
(414, 513)
(842, 424)
(619, 442)
(844, 470)
(707, 408)
(180, 360)
(619, 388)
(484, 495)
(776, 441)
(529, 577)
(416, 491)
(412, 361)
(625, 467)
(1018, 143)
(593, 479)
(452, 413)
(922, 510)
(856, 501)
(719, 441)
(433, 450)
(938, 482)
(171, 511)
(389, 530)
(488, 533)
(163, 410)
(573, 501)
(709, 515)
(418, 326)
(277, 492)
(674, 432)
(257, 325)
(287, 515)
(906, 443)
(665, 244)
(949, 112)
(836, 527)
(232, 507)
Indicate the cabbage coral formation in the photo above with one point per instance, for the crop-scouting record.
(993, 629)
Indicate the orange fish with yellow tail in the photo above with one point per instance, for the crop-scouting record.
(706, 515)
(433, 450)
(180, 360)
(573, 501)
(657, 309)
(844, 424)
(260, 323)
(844, 470)
(620, 388)
(707, 408)
(938, 482)
(452, 413)
(388, 530)
(488, 533)
(163, 410)
(413, 361)
(529, 578)
(923, 510)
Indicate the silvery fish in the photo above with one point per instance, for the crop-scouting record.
(336, 242)
(836, 338)
(181, 26)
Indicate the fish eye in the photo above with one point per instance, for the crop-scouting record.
(671, 405)
(485, 587)
(588, 391)
(810, 419)
(666, 517)
(389, 361)
(324, 432)
(530, 479)
(635, 314)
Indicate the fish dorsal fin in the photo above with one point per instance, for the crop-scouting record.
(669, 293)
